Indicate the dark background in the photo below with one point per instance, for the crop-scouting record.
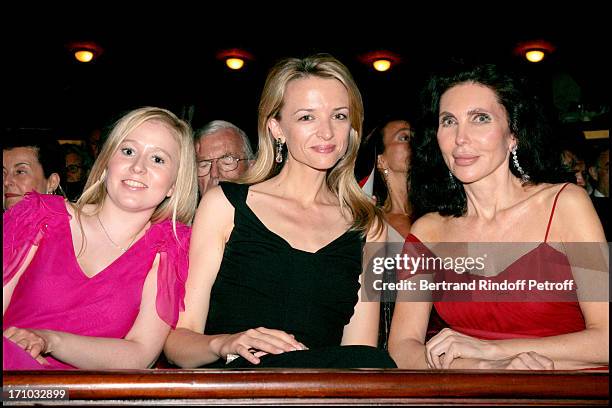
(170, 61)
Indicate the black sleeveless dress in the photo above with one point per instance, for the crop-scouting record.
(264, 282)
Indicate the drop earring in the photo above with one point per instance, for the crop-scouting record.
(524, 175)
(386, 178)
(279, 150)
(453, 183)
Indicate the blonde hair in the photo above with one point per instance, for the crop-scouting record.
(182, 204)
(340, 179)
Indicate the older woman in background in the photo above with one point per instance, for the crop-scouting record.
(30, 162)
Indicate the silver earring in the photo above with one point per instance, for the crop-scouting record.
(524, 176)
(453, 183)
(386, 180)
(279, 150)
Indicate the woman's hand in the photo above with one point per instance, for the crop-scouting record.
(34, 342)
(522, 361)
(448, 345)
(254, 343)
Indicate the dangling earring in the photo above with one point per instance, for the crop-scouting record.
(524, 176)
(453, 183)
(279, 150)
(61, 191)
(386, 177)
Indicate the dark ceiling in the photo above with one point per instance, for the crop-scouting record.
(176, 68)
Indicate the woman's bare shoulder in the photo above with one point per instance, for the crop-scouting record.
(575, 218)
(214, 207)
(430, 227)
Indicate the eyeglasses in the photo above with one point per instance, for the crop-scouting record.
(224, 163)
(73, 167)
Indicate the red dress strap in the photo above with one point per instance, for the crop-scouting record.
(552, 212)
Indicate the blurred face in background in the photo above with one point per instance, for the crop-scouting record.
(601, 173)
(576, 165)
(93, 142)
(396, 139)
(22, 173)
(210, 152)
(74, 168)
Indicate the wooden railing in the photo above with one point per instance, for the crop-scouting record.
(291, 386)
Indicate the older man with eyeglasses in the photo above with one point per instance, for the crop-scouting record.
(223, 153)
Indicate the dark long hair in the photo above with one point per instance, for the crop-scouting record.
(373, 145)
(433, 188)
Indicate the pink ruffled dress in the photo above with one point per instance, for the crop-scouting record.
(54, 293)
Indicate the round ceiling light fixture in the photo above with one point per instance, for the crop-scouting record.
(534, 55)
(234, 63)
(235, 58)
(535, 50)
(381, 60)
(85, 51)
(381, 64)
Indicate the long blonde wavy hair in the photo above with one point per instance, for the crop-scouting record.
(182, 204)
(340, 179)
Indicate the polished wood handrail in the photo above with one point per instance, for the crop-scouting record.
(365, 385)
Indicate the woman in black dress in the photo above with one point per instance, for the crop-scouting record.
(276, 261)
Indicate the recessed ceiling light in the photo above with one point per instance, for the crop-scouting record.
(234, 63)
(235, 58)
(534, 55)
(85, 51)
(380, 60)
(83, 55)
(381, 64)
(535, 50)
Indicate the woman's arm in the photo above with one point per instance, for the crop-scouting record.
(410, 318)
(188, 346)
(139, 349)
(7, 290)
(363, 327)
(407, 336)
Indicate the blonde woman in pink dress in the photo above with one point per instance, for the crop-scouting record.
(99, 284)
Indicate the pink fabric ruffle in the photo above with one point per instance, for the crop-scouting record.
(24, 225)
(172, 268)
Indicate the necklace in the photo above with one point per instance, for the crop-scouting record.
(111, 240)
